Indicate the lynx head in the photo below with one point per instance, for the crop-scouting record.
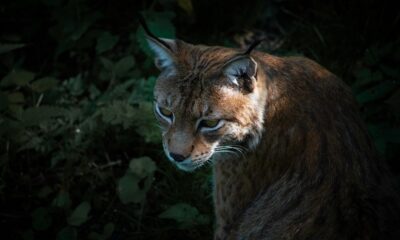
(209, 101)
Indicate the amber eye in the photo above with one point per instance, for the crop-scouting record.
(209, 123)
(212, 124)
(165, 112)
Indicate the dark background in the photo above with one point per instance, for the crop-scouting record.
(80, 153)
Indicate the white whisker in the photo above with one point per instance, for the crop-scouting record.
(237, 149)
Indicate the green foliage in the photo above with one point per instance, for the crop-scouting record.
(79, 215)
(106, 234)
(67, 233)
(376, 80)
(106, 42)
(129, 188)
(185, 215)
(41, 219)
(78, 137)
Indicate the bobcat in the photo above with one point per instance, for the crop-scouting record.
(290, 154)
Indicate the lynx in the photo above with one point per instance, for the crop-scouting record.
(291, 157)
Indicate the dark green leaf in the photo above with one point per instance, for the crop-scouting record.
(107, 64)
(75, 85)
(142, 167)
(3, 101)
(37, 115)
(364, 76)
(390, 71)
(80, 215)
(41, 219)
(186, 5)
(128, 189)
(146, 123)
(62, 200)
(67, 233)
(124, 65)
(106, 42)
(17, 77)
(44, 84)
(16, 98)
(376, 92)
(7, 47)
(185, 214)
(107, 232)
(28, 235)
(44, 192)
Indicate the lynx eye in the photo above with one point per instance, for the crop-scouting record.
(210, 124)
(165, 113)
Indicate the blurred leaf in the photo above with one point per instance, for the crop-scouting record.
(28, 235)
(94, 91)
(140, 170)
(142, 167)
(392, 135)
(62, 199)
(107, 232)
(7, 47)
(79, 215)
(44, 84)
(37, 115)
(41, 219)
(34, 142)
(17, 77)
(185, 214)
(106, 42)
(147, 124)
(44, 192)
(67, 233)
(75, 85)
(382, 134)
(107, 63)
(71, 25)
(390, 71)
(52, 3)
(124, 65)
(16, 98)
(119, 113)
(128, 189)
(374, 54)
(186, 5)
(3, 101)
(364, 76)
(376, 92)
(143, 90)
(371, 57)
(394, 102)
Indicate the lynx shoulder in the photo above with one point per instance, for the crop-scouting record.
(291, 156)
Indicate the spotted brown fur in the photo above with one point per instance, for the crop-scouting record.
(311, 170)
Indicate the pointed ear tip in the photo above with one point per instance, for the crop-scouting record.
(243, 59)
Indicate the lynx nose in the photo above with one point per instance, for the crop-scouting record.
(177, 157)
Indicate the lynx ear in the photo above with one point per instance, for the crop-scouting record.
(242, 71)
(163, 48)
(164, 51)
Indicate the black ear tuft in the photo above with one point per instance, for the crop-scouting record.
(252, 46)
(151, 35)
(164, 49)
